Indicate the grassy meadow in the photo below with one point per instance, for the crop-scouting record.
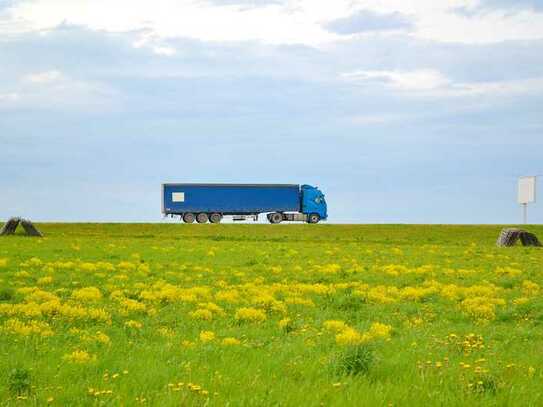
(270, 315)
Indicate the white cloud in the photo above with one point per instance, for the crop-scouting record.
(432, 83)
(504, 88)
(365, 21)
(511, 6)
(44, 77)
(380, 119)
(169, 18)
(164, 50)
(418, 80)
(9, 97)
(288, 22)
(52, 90)
(149, 40)
(245, 4)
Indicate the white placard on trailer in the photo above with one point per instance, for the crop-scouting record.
(178, 197)
(526, 190)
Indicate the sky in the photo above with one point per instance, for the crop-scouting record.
(401, 111)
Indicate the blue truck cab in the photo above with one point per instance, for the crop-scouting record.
(313, 202)
(211, 202)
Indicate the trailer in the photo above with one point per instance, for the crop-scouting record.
(212, 202)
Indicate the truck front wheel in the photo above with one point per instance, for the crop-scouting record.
(313, 218)
(188, 217)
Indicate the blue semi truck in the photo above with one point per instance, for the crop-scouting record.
(211, 202)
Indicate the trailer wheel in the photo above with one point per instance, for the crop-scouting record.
(188, 217)
(276, 217)
(202, 217)
(215, 218)
(313, 218)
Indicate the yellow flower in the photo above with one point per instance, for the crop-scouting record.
(133, 324)
(32, 327)
(330, 268)
(250, 314)
(144, 268)
(481, 307)
(508, 271)
(521, 301)
(166, 332)
(87, 267)
(334, 325)
(132, 305)
(378, 330)
(380, 294)
(530, 288)
(300, 301)
(350, 336)
(87, 294)
(207, 336)
(285, 323)
(211, 306)
(231, 296)
(230, 341)
(201, 314)
(22, 274)
(79, 356)
(45, 280)
(40, 296)
(102, 338)
(126, 266)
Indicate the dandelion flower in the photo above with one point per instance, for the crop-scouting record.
(231, 341)
(250, 315)
(79, 356)
(207, 336)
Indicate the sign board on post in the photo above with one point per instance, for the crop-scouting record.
(526, 194)
(526, 190)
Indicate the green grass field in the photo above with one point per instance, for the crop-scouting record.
(263, 315)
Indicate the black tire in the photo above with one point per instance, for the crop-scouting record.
(276, 217)
(202, 217)
(189, 217)
(508, 237)
(313, 218)
(215, 218)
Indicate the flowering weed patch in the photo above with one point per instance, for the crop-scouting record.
(269, 315)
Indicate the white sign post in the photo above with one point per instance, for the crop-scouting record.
(526, 194)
